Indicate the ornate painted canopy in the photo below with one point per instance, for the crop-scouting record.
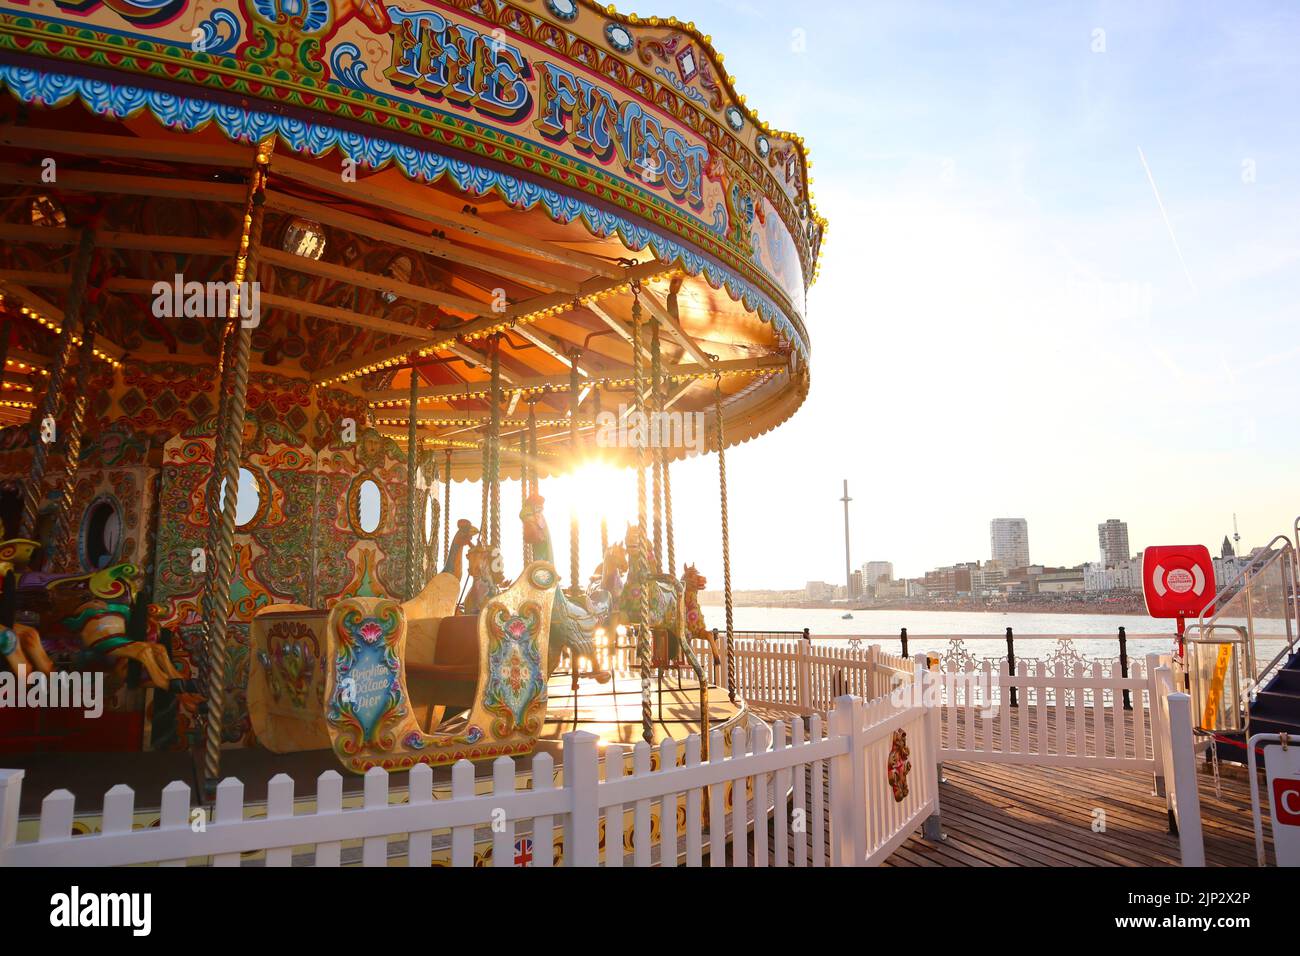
(443, 171)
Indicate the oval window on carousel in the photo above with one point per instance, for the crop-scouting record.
(250, 499)
(101, 534)
(370, 506)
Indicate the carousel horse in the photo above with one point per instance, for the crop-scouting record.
(572, 625)
(694, 583)
(667, 608)
(101, 623)
(606, 583)
(20, 645)
(486, 577)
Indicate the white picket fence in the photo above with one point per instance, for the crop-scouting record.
(865, 821)
(1177, 763)
(1037, 716)
(798, 677)
(1056, 719)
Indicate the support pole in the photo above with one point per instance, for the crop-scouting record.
(574, 589)
(412, 466)
(523, 492)
(52, 403)
(656, 398)
(494, 446)
(431, 544)
(668, 521)
(232, 441)
(726, 541)
(63, 542)
(446, 505)
(212, 500)
(486, 466)
(604, 521)
(640, 554)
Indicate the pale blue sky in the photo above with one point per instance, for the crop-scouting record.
(1003, 325)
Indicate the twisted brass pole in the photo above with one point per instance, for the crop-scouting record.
(640, 554)
(494, 444)
(726, 545)
(212, 499)
(218, 611)
(486, 466)
(668, 521)
(604, 521)
(523, 491)
(63, 542)
(431, 541)
(573, 461)
(412, 463)
(657, 454)
(532, 445)
(52, 403)
(446, 506)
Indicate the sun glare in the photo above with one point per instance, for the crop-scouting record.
(597, 490)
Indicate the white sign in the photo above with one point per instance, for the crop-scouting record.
(1282, 773)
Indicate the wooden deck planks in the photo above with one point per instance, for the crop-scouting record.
(1017, 815)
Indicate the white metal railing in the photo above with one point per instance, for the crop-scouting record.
(1063, 718)
(1265, 590)
(764, 774)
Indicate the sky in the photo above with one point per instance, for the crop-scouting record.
(1006, 323)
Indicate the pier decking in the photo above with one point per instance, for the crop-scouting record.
(1022, 815)
(1006, 815)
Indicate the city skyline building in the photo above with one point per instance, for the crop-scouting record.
(1009, 542)
(1112, 542)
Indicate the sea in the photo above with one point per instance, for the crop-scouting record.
(1094, 636)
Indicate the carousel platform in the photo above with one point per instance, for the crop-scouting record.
(611, 710)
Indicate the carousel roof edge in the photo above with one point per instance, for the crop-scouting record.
(706, 42)
(31, 81)
(320, 55)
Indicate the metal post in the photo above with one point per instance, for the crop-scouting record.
(574, 589)
(494, 445)
(902, 636)
(726, 541)
(848, 576)
(1123, 665)
(657, 455)
(52, 403)
(412, 464)
(523, 491)
(640, 555)
(446, 505)
(1011, 664)
(63, 542)
(217, 622)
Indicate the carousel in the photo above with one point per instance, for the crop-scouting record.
(291, 295)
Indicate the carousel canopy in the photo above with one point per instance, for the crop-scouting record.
(446, 180)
